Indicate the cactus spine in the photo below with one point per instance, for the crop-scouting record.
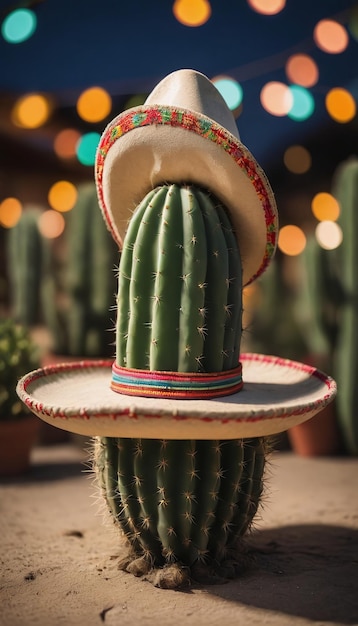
(179, 309)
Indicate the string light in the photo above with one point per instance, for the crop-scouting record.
(65, 143)
(330, 36)
(291, 240)
(302, 70)
(19, 25)
(325, 207)
(192, 12)
(329, 235)
(62, 196)
(10, 212)
(297, 159)
(230, 90)
(340, 105)
(303, 103)
(51, 224)
(267, 7)
(86, 148)
(276, 98)
(31, 111)
(94, 104)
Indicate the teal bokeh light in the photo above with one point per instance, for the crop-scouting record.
(86, 148)
(231, 91)
(19, 25)
(303, 104)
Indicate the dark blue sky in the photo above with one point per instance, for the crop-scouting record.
(127, 47)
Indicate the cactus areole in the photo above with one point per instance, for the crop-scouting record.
(179, 456)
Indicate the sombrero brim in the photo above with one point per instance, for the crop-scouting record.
(153, 144)
(277, 394)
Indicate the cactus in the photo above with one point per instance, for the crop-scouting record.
(29, 265)
(345, 189)
(186, 503)
(330, 278)
(90, 284)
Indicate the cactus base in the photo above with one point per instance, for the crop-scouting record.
(183, 506)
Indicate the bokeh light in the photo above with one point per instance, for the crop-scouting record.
(65, 143)
(86, 148)
(62, 196)
(10, 212)
(19, 25)
(192, 12)
(297, 159)
(51, 224)
(94, 104)
(291, 240)
(31, 111)
(276, 98)
(330, 36)
(303, 104)
(302, 70)
(230, 90)
(325, 207)
(340, 105)
(328, 235)
(267, 7)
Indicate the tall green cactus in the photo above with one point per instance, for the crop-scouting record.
(330, 299)
(90, 281)
(179, 309)
(78, 296)
(345, 190)
(29, 262)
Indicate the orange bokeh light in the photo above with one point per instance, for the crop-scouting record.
(62, 196)
(31, 111)
(291, 240)
(10, 212)
(341, 105)
(330, 36)
(267, 7)
(302, 70)
(192, 12)
(325, 207)
(94, 104)
(65, 143)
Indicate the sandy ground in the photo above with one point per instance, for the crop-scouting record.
(59, 559)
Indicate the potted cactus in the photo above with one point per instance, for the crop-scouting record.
(181, 439)
(18, 428)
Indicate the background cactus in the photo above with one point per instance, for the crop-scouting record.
(179, 309)
(345, 270)
(30, 268)
(70, 289)
(90, 281)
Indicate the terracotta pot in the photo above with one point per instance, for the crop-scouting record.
(17, 438)
(319, 436)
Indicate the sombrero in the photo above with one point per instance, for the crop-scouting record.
(184, 133)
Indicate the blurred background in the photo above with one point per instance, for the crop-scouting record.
(288, 69)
